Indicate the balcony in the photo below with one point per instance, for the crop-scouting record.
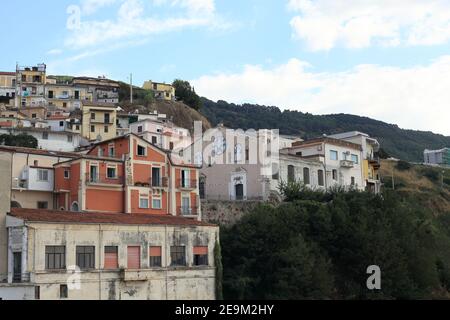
(104, 180)
(34, 179)
(159, 183)
(104, 121)
(374, 161)
(187, 184)
(21, 277)
(187, 211)
(347, 164)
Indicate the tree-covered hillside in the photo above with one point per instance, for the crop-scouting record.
(400, 143)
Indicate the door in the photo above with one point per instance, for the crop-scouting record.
(94, 174)
(291, 174)
(239, 192)
(185, 178)
(77, 95)
(156, 177)
(107, 119)
(185, 209)
(17, 277)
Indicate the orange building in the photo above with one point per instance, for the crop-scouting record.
(128, 174)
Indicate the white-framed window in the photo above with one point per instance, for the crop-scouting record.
(156, 203)
(141, 151)
(42, 175)
(111, 150)
(111, 172)
(66, 174)
(355, 158)
(143, 202)
(333, 155)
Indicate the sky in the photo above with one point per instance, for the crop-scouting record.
(388, 60)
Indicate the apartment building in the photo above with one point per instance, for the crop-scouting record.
(370, 159)
(100, 256)
(7, 86)
(163, 134)
(30, 82)
(342, 161)
(437, 157)
(128, 175)
(101, 89)
(99, 121)
(162, 91)
(65, 95)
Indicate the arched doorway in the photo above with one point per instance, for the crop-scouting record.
(15, 204)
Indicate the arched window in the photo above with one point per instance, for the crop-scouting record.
(15, 204)
(75, 207)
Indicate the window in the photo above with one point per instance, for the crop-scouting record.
(306, 176)
(69, 138)
(333, 155)
(141, 151)
(111, 150)
(64, 104)
(92, 116)
(77, 127)
(107, 118)
(291, 173)
(171, 146)
(178, 256)
(143, 202)
(111, 172)
(154, 140)
(156, 177)
(61, 123)
(140, 129)
(353, 181)
(86, 257)
(37, 293)
(42, 205)
(321, 178)
(92, 128)
(45, 135)
(106, 129)
(77, 95)
(155, 257)
(63, 291)
(55, 257)
(355, 159)
(42, 175)
(111, 257)
(134, 257)
(156, 204)
(34, 116)
(275, 172)
(201, 256)
(335, 175)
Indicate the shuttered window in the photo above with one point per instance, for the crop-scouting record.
(155, 257)
(134, 257)
(111, 258)
(201, 256)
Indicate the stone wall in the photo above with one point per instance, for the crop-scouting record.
(226, 212)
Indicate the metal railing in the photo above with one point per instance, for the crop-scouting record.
(104, 179)
(162, 182)
(187, 184)
(187, 211)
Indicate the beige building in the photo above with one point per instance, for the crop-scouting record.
(30, 82)
(98, 256)
(66, 96)
(7, 85)
(99, 121)
(102, 90)
(162, 91)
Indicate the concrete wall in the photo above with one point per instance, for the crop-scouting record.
(16, 292)
(188, 282)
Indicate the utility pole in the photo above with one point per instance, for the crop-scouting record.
(442, 179)
(131, 88)
(393, 182)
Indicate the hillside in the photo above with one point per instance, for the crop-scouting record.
(404, 144)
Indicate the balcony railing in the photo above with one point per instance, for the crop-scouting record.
(159, 183)
(187, 211)
(187, 184)
(347, 164)
(21, 277)
(104, 179)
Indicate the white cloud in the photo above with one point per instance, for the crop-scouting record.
(325, 24)
(133, 21)
(91, 6)
(415, 97)
(54, 52)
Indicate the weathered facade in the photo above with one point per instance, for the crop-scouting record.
(98, 256)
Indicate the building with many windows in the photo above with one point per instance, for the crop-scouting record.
(162, 91)
(99, 121)
(30, 83)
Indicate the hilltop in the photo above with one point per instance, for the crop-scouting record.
(400, 143)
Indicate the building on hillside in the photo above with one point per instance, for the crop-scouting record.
(36, 112)
(128, 174)
(65, 95)
(163, 134)
(437, 157)
(99, 121)
(101, 89)
(30, 84)
(162, 91)
(370, 159)
(124, 120)
(342, 161)
(49, 140)
(112, 256)
(7, 86)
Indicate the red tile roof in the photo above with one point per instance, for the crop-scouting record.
(38, 215)
(40, 152)
(5, 73)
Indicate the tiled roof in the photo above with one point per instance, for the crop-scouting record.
(38, 215)
(40, 152)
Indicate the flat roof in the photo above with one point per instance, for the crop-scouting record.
(52, 216)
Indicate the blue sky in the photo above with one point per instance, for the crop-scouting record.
(377, 58)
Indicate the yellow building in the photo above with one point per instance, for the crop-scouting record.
(66, 96)
(8, 84)
(31, 85)
(99, 121)
(162, 91)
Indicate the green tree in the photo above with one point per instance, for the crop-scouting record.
(20, 140)
(186, 93)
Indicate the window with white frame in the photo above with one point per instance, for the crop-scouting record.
(156, 203)
(141, 151)
(333, 155)
(111, 172)
(42, 175)
(66, 174)
(143, 201)
(355, 158)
